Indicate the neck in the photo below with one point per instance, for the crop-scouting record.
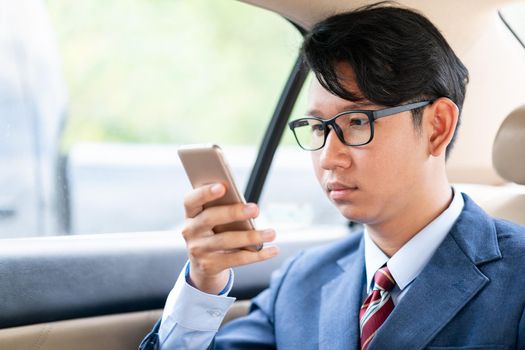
(422, 208)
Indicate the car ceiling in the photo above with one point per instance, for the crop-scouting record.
(447, 14)
(492, 54)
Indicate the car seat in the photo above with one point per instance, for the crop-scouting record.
(508, 159)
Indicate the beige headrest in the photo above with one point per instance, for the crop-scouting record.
(508, 151)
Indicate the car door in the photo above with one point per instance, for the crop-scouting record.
(100, 290)
(97, 289)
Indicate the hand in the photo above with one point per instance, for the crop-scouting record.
(212, 255)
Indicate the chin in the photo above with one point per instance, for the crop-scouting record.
(354, 213)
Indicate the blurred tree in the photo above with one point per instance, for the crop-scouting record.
(159, 71)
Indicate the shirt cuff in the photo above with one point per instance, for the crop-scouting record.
(193, 309)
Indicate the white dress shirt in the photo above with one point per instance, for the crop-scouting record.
(406, 264)
(191, 318)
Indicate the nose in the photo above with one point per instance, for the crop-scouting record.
(334, 154)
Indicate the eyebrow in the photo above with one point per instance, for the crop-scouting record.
(353, 106)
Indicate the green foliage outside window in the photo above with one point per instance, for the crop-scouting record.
(168, 71)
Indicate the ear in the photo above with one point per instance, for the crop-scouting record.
(441, 123)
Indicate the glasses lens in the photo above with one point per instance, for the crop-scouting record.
(355, 127)
(309, 133)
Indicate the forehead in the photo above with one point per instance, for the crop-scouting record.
(322, 102)
(321, 99)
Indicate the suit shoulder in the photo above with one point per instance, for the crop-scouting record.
(307, 270)
(511, 238)
(317, 258)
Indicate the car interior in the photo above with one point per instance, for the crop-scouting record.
(107, 291)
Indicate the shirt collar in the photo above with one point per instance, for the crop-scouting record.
(406, 264)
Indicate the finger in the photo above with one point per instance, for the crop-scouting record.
(232, 240)
(224, 214)
(245, 257)
(203, 224)
(191, 232)
(195, 200)
(223, 261)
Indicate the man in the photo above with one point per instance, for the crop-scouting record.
(430, 270)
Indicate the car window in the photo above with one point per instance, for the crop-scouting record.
(142, 78)
(514, 17)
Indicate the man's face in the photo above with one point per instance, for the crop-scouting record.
(373, 183)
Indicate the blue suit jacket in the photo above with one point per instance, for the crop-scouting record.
(471, 295)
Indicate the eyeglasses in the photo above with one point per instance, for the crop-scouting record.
(353, 128)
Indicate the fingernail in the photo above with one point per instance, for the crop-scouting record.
(216, 189)
(273, 250)
(250, 209)
(267, 235)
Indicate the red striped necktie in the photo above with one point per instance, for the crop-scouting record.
(377, 306)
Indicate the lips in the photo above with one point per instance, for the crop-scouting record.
(337, 186)
(338, 191)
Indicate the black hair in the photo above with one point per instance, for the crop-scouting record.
(397, 56)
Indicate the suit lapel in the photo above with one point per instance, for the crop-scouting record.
(449, 281)
(424, 310)
(340, 303)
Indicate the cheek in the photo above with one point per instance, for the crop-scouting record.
(392, 164)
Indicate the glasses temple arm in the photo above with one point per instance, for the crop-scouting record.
(398, 109)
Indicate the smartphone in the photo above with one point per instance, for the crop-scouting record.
(206, 164)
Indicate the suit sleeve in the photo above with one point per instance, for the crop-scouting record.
(190, 318)
(253, 331)
(151, 341)
(256, 330)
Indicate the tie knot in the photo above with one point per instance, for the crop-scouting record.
(383, 280)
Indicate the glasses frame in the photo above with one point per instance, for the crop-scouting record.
(372, 115)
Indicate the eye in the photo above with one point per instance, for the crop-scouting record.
(317, 129)
(358, 121)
